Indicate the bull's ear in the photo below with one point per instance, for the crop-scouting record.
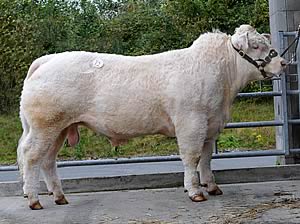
(267, 35)
(241, 41)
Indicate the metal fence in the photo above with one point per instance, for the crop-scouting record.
(290, 88)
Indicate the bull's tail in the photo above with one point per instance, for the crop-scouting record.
(20, 149)
(37, 63)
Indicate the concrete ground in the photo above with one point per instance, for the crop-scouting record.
(268, 202)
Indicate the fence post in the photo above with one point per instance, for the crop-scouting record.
(285, 16)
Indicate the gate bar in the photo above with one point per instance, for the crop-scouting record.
(269, 152)
(254, 124)
(154, 159)
(295, 150)
(293, 92)
(255, 94)
(294, 121)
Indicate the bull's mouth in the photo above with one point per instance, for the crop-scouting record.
(270, 76)
(275, 75)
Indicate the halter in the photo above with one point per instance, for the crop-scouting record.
(272, 54)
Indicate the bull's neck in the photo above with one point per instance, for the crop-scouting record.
(242, 72)
(239, 75)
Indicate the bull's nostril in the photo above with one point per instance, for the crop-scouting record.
(283, 63)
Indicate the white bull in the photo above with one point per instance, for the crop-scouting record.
(184, 93)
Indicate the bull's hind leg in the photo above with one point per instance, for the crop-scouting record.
(206, 176)
(50, 173)
(190, 141)
(34, 150)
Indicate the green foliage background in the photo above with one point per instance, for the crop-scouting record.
(31, 28)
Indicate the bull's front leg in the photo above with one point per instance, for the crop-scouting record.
(206, 176)
(190, 137)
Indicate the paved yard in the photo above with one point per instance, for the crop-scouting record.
(268, 202)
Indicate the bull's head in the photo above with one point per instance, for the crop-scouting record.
(257, 50)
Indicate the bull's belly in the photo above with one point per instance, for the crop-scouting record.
(123, 127)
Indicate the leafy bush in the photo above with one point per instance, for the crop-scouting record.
(17, 50)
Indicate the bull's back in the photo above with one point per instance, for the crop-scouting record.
(112, 88)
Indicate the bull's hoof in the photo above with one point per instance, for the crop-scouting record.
(61, 200)
(50, 193)
(25, 195)
(198, 197)
(216, 191)
(36, 206)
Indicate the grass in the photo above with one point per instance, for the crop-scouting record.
(10, 132)
(93, 146)
(249, 138)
